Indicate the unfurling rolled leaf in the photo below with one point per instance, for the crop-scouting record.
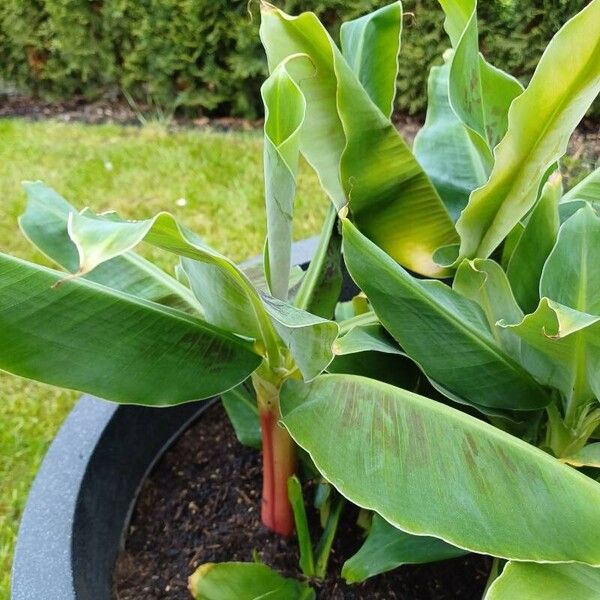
(387, 548)
(245, 581)
(358, 154)
(445, 333)
(429, 469)
(540, 122)
(530, 581)
(44, 223)
(285, 108)
(84, 336)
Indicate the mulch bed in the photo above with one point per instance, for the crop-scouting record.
(202, 504)
(79, 110)
(584, 144)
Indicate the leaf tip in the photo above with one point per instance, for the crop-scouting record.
(196, 576)
(266, 7)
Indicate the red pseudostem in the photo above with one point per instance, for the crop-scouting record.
(279, 461)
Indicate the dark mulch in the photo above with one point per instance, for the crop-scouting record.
(584, 146)
(201, 504)
(80, 110)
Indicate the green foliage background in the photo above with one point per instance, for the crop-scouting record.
(206, 54)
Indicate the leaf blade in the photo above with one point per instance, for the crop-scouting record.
(540, 123)
(371, 44)
(430, 321)
(390, 197)
(245, 581)
(387, 548)
(90, 338)
(394, 452)
(44, 223)
(530, 581)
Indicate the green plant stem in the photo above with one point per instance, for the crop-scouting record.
(272, 344)
(578, 398)
(368, 318)
(565, 439)
(311, 278)
(307, 561)
(495, 571)
(323, 549)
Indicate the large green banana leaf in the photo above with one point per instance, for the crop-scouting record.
(455, 161)
(387, 548)
(540, 122)
(429, 469)
(225, 289)
(479, 93)
(360, 157)
(228, 298)
(87, 337)
(530, 581)
(534, 245)
(370, 45)
(446, 333)
(284, 114)
(44, 223)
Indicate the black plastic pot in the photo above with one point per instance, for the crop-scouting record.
(82, 498)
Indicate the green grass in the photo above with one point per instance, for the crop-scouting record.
(136, 172)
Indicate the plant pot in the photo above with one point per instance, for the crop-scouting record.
(80, 503)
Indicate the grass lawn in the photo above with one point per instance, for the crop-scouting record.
(137, 172)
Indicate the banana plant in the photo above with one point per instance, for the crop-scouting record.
(114, 325)
(489, 451)
(455, 399)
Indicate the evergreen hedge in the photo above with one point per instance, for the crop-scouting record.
(205, 55)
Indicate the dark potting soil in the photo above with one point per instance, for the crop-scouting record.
(202, 504)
